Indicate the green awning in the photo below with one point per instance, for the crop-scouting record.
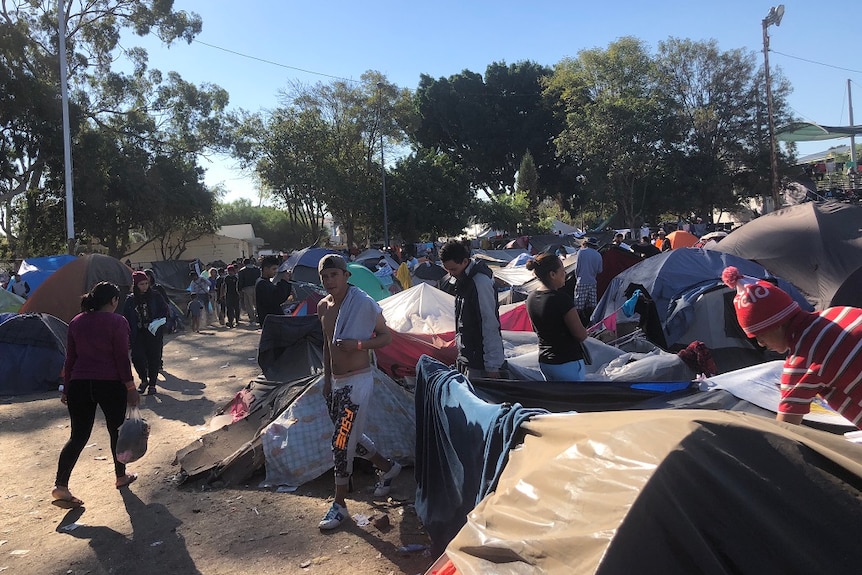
(808, 132)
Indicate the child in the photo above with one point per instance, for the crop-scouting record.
(824, 348)
(195, 311)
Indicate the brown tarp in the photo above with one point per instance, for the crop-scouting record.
(669, 492)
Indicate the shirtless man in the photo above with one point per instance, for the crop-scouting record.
(348, 380)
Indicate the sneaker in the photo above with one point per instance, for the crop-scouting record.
(334, 517)
(151, 390)
(384, 484)
(142, 388)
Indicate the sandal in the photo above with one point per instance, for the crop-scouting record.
(126, 480)
(67, 500)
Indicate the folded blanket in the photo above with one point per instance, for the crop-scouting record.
(356, 316)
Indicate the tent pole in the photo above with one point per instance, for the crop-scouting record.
(852, 137)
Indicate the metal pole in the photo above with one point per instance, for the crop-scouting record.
(852, 137)
(67, 140)
(773, 156)
(382, 167)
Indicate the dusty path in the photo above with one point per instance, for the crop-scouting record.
(157, 527)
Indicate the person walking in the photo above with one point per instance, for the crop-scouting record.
(200, 286)
(556, 322)
(352, 324)
(477, 317)
(248, 275)
(97, 373)
(220, 295)
(195, 311)
(146, 313)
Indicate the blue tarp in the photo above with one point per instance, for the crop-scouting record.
(462, 445)
(32, 352)
(36, 270)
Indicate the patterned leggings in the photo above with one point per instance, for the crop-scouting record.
(349, 412)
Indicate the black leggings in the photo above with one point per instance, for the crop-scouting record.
(83, 395)
(147, 355)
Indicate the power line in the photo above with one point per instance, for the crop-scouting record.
(280, 65)
(818, 63)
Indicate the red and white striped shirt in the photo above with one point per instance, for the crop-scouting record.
(825, 359)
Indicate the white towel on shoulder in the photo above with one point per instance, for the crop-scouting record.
(357, 316)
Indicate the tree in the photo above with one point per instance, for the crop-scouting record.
(429, 196)
(486, 125)
(507, 212)
(158, 116)
(274, 225)
(319, 151)
(618, 126)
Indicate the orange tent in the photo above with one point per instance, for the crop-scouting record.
(681, 239)
(60, 294)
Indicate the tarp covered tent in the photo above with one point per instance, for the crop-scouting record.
(668, 492)
(815, 246)
(370, 257)
(34, 271)
(614, 260)
(60, 294)
(303, 264)
(32, 352)
(674, 282)
(850, 292)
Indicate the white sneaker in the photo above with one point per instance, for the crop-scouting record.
(384, 484)
(334, 517)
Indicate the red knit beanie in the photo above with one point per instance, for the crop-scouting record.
(760, 305)
(138, 277)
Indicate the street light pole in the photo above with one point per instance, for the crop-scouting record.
(774, 17)
(67, 140)
(382, 165)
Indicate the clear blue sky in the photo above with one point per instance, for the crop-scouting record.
(405, 39)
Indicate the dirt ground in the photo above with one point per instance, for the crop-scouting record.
(156, 526)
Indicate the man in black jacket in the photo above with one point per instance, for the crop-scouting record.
(268, 295)
(477, 318)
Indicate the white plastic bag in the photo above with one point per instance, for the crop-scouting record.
(134, 433)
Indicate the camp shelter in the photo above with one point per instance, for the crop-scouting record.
(303, 264)
(364, 279)
(745, 485)
(9, 302)
(60, 294)
(290, 347)
(34, 271)
(673, 284)
(428, 272)
(32, 352)
(815, 246)
(297, 445)
(370, 257)
(681, 239)
(850, 292)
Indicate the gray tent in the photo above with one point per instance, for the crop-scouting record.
(816, 246)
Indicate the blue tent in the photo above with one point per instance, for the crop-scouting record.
(674, 280)
(36, 270)
(32, 353)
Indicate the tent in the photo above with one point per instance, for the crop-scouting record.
(816, 246)
(429, 273)
(681, 239)
(810, 132)
(673, 492)
(60, 294)
(676, 286)
(303, 264)
(32, 352)
(364, 279)
(614, 260)
(370, 257)
(9, 302)
(850, 292)
(34, 271)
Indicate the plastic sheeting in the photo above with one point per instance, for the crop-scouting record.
(671, 492)
(297, 445)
